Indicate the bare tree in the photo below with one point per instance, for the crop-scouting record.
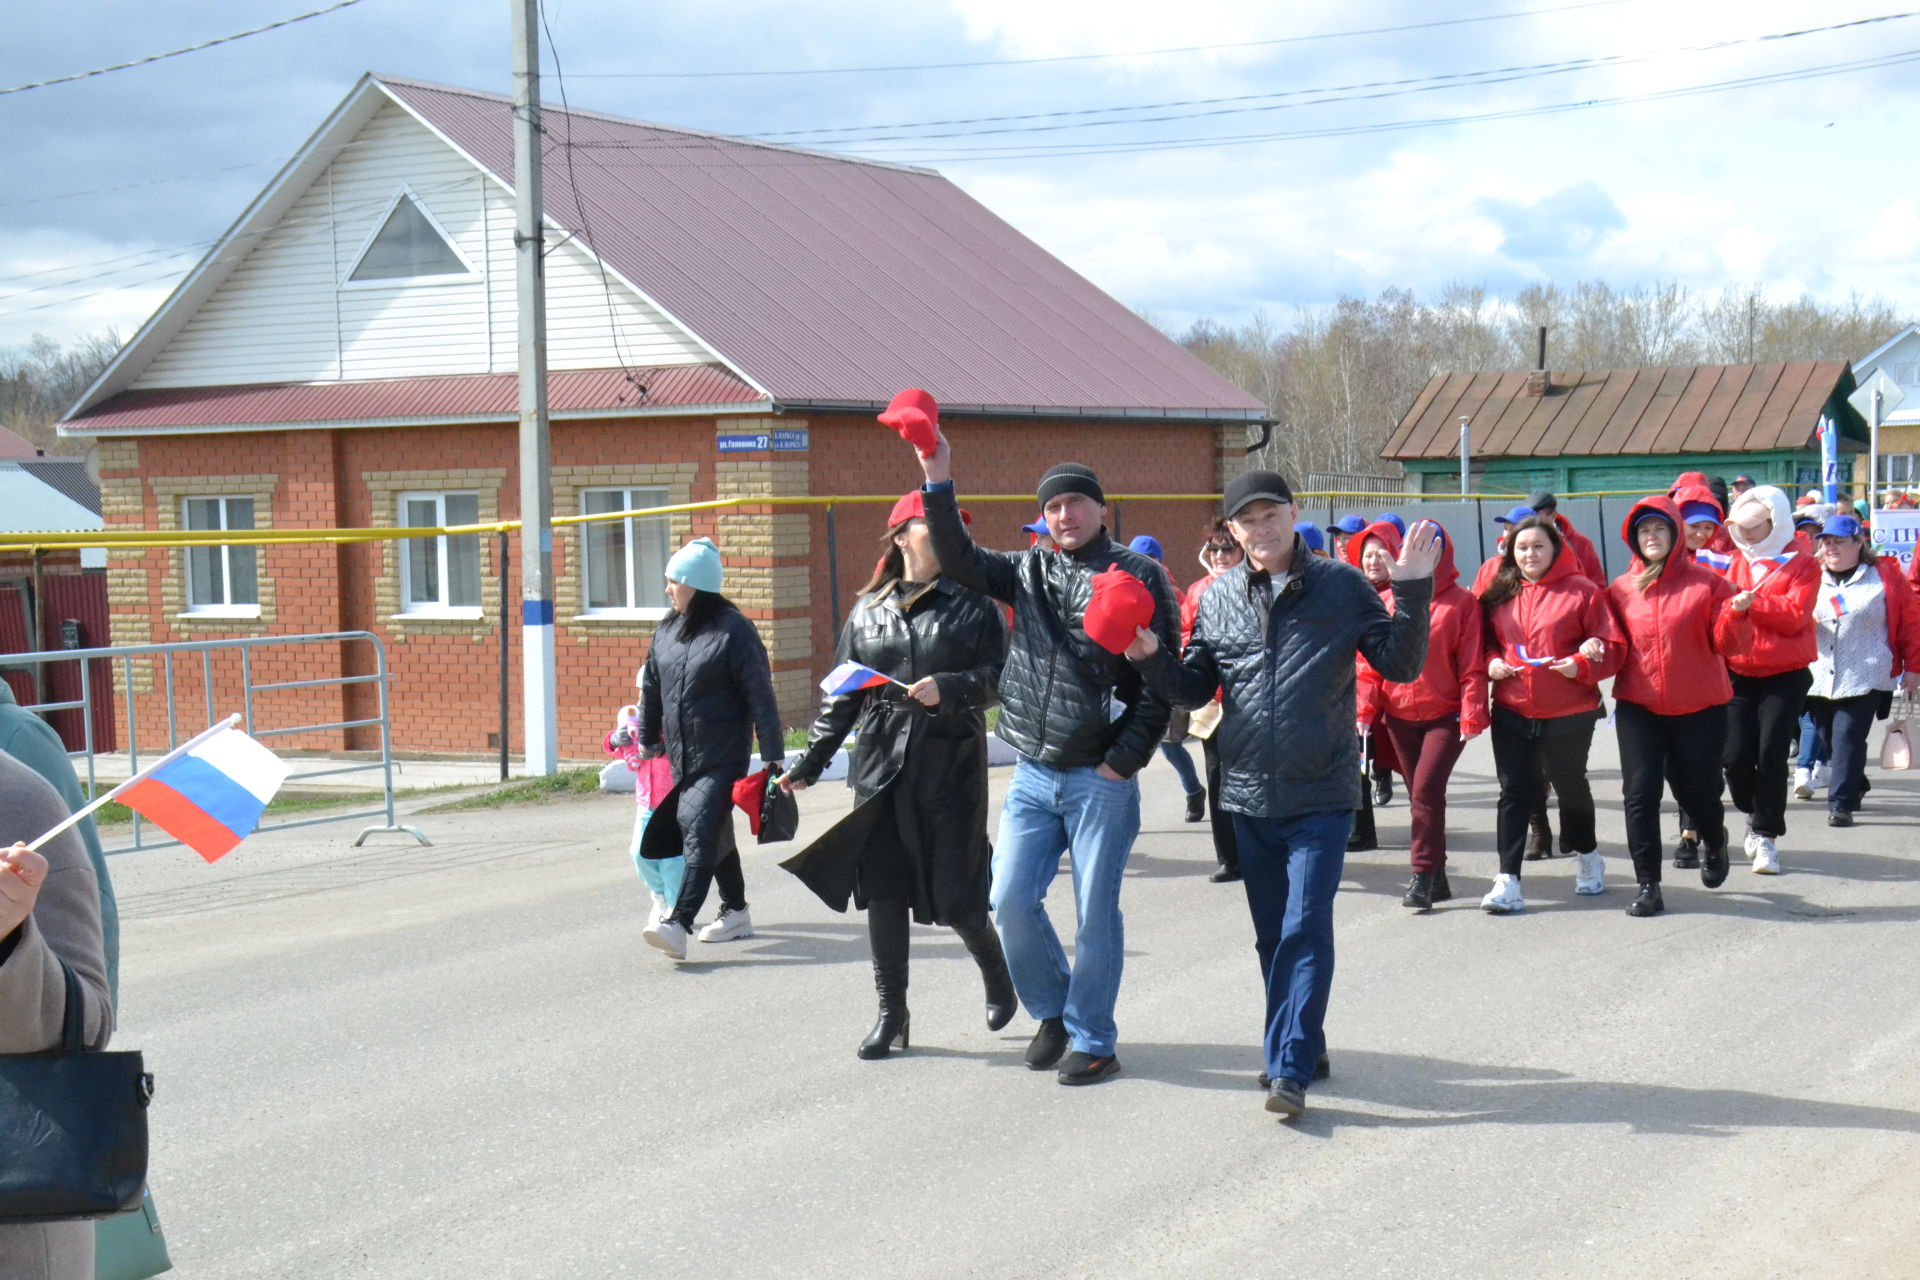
(40, 381)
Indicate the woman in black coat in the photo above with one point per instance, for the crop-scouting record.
(705, 691)
(916, 842)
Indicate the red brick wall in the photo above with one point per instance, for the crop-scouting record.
(444, 689)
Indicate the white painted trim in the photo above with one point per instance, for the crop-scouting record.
(406, 192)
(1872, 358)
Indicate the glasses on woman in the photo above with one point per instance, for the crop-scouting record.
(1221, 548)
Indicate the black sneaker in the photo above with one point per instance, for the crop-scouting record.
(1224, 874)
(1419, 892)
(1686, 854)
(1648, 902)
(1197, 806)
(1048, 1043)
(1442, 891)
(1839, 818)
(1286, 1099)
(1713, 864)
(1084, 1068)
(1321, 1070)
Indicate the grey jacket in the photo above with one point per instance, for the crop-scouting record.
(1286, 676)
(64, 926)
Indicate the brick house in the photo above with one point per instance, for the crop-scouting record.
(725, 317)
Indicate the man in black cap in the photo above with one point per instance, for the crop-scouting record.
(1279, 632)
(1585, 554)
(1083, 724)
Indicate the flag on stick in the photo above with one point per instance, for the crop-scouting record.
(851, 677)
(208, 793)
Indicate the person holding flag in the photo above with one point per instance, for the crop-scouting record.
(919, 664)
(1553, 639)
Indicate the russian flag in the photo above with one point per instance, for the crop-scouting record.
(851, 677)
(210, 795)
(1714, 559)
(1532, 661)
(1839, 603)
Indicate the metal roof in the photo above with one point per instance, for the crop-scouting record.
(68, 475)
(488, 397)
(30, 505)
(830, 279)
(13, 446)
(1671, 409)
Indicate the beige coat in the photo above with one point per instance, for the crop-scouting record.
(65, 924)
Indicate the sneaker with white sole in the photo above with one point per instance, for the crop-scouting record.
(657, 910)
(1803, 784)
(1766, 859)
(1589, 873)
(729, 926)
(668, 935)
(1504, 899)
(1822, 775)
(1749, 844)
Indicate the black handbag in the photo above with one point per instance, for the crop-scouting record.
(779, 815)
(73, 1127)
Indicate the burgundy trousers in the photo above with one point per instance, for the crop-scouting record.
(1427, 751)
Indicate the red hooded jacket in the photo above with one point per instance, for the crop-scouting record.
(1552, 618)
(1784, 580)
(1454, 680)
(1586, 556)
(1679, 630)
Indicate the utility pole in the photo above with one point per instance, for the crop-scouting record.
(1466, 437)
(536, 469)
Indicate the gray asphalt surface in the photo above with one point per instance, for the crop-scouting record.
(462, 1061)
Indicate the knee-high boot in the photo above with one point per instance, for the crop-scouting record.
(887, 935)
(983, 944)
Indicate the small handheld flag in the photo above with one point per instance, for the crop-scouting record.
(1839, 603)
(851, 677)
(1714, 560)
(208, 793)
(1532, 661)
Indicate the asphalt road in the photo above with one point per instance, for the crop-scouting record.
(461, 1061)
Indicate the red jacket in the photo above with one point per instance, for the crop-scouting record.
(1679, 630)
(1903, 615)
(1586, 557)
(1367, 689)
(1454, 681)
(1551, 618)
(1783, 595)
(1483, 576)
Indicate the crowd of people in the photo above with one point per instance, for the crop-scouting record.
(1313, 666)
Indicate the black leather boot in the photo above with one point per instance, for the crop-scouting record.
(983, 944)
(887, 935)
(1419, 892)
(1197, 806)
(1647, 902)
(1442, 891)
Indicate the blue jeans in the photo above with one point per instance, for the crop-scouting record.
(1175, 754)
(1812, 750)
(1047, 812)
(1291, 869)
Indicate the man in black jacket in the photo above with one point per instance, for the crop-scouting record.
(1277, 635)
(1083, 724)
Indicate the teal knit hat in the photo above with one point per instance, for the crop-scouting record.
(697, 565)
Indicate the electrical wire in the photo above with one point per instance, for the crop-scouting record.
(175, 53)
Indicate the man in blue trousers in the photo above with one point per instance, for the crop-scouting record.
(1277, 634)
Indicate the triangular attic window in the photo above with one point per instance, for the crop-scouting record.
(408, 246)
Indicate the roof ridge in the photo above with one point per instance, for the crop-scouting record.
(632, 123)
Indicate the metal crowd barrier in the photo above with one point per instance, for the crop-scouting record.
(178, 732)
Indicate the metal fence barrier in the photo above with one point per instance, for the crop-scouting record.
(170, 654)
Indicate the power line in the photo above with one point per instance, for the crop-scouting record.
(1091, 57)
(174, 53)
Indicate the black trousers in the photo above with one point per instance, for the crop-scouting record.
(1681, 751)
(1364, 832)
(1520, 746)
(1763, 728)
(706, 827)
(1842, 724)
(1226, 850)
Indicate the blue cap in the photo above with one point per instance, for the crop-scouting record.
(1699, 513)
(1147, 545)
(1841, 526)
(1310, 534)
(1392, 518)
(1038, 526)
(1516, 515)
(1350, 523)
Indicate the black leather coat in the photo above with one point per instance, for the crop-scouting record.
(1285, 671)
(919, 832)
(1058, 690)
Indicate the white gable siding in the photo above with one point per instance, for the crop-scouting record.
(282, 315)
(1901, 363)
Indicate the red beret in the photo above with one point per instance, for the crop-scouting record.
(1121, 603)
(916, 417)
(913, 506)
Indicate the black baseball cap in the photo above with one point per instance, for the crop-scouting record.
(1255, 486)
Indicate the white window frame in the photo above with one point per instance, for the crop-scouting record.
(1910, 467)
(628, 612)
(439, 608)
(226, 608)
(406, 192)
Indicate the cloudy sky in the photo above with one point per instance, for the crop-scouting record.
(1217, 206)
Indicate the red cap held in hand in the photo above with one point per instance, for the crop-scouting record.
(1121, 603)
(748, 794)
(916, 417)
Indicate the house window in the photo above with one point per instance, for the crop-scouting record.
(625, 561)
(408, 246)
(1899, 469)
(222, 581)
(440, 575)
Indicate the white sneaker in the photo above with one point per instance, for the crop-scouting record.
(669, 935)
(1822, 775)
(1589, 873)
(1750, 844)
(730, 925)
(1504, 899)
(1803, 784)
(658, 911)
(1766, 859)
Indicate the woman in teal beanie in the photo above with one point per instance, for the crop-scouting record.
(706, 690)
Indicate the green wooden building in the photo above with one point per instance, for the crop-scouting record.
(1628, 429)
